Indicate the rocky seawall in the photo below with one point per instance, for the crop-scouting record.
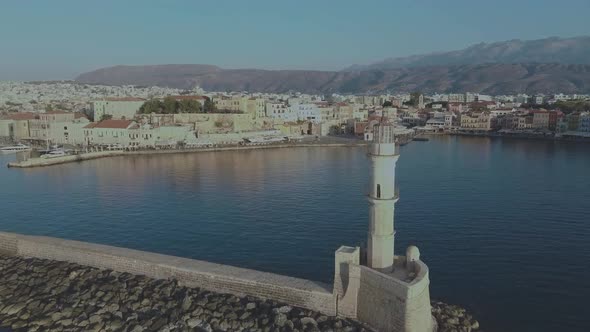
(452, 318)
(46, 295)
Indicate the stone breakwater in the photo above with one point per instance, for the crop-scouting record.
(452, 318)
(46, 295)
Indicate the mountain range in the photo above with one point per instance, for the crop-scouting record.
(549, 50)
(537, 66)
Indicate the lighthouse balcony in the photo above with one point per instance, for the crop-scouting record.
(376, 198)
(383, 150)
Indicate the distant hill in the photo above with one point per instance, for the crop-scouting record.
(482, 78)
(549, 50)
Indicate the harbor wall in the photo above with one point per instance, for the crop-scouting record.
(39, 162)
(379, 300)
(307, 294)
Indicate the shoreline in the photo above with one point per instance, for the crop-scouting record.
(521, 136)
(41, 162)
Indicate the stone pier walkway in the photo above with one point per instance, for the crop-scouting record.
(45, 295)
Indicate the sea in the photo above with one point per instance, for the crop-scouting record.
(503, 224)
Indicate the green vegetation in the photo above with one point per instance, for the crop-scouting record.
(171, 106)
(336, 130)
(106, 117)
(414, 99)
(571, 106)
(566, 106)
(387, 103)
(209, 106)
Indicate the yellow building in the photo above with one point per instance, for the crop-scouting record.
(476, 121)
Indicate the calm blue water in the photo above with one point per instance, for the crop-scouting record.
(503, 224)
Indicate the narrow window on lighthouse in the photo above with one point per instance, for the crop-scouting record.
(378, 191)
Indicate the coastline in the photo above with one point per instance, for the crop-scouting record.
(40, 162)
(520, 136)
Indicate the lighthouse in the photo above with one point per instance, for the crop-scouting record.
(366, 285)
(382, 198)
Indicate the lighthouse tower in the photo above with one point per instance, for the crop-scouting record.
(382, 198)
(366, 285)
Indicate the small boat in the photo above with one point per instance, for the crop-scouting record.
(55, 154)
(420, 139)
(15, 148)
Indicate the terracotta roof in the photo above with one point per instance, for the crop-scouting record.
(79, 115)
(189, 97)
(57, 112)
(114, 124)
(20, 116)
(124, 99)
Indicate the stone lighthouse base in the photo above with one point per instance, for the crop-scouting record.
(397, 301)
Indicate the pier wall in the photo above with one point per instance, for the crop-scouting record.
(193, 273)
(383, 302)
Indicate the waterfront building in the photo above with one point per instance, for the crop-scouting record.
(108, 132)
(525, 122)
(280, 110)
(541, 119)
(476, 121)
(40, 127)
(584, 122)
(15, 126)
(438, 122)
(70, 132)
(450, 120)
(308, 112)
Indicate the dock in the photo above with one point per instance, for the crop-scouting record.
(37, 162)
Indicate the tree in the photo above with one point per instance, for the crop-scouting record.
(151, 106)
(170, 105)
(106, 117)
(48, 108)
(387, 103)
(189, 106)
(209, 106)
(335, 130)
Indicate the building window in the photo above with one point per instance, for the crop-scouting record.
(378, 191)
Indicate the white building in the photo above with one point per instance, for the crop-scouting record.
(308, 112)
(117, 108)
(280, 110)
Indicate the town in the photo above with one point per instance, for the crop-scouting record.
(129, 117)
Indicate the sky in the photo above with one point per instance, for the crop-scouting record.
(59, 39)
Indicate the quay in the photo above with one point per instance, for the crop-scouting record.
(40, 162)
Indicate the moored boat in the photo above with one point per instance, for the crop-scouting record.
(15, 148)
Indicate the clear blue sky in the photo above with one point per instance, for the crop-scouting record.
(55, 39)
